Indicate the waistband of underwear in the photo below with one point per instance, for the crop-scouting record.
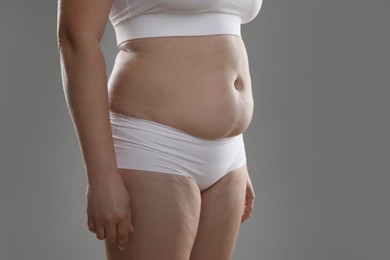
(121, 120)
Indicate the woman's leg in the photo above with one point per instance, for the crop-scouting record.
(220, 218)
(165, 211)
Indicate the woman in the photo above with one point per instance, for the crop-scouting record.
(163, 147)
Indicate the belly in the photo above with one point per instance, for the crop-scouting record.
(198, 84)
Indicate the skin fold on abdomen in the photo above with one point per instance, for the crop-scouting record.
(198, 84)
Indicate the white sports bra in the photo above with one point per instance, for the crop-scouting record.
(132, 19)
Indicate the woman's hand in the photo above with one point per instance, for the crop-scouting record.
(108, 209)
(249, 199)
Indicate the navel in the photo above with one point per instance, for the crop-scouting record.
(238, 84)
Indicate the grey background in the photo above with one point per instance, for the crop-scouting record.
(317, 148)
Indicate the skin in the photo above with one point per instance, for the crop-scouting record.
(198, 84)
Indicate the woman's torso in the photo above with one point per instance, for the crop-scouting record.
(198, 84)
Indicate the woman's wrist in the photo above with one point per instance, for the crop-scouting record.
(101, 173)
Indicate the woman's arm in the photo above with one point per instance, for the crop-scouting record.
(80, 28)
(81, 24)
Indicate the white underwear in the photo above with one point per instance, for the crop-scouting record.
(142, 144)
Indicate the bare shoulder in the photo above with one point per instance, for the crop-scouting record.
(82, 19)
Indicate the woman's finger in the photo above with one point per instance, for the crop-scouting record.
(249, 202)
(247, 211)
(131, 227)
(110, 232)
(99, 230)
(123, 232)
(91, 225)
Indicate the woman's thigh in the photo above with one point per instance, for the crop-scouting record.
(165, 210)
(221, 210)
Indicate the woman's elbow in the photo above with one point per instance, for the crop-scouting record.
(64, 39)
(74, 41)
